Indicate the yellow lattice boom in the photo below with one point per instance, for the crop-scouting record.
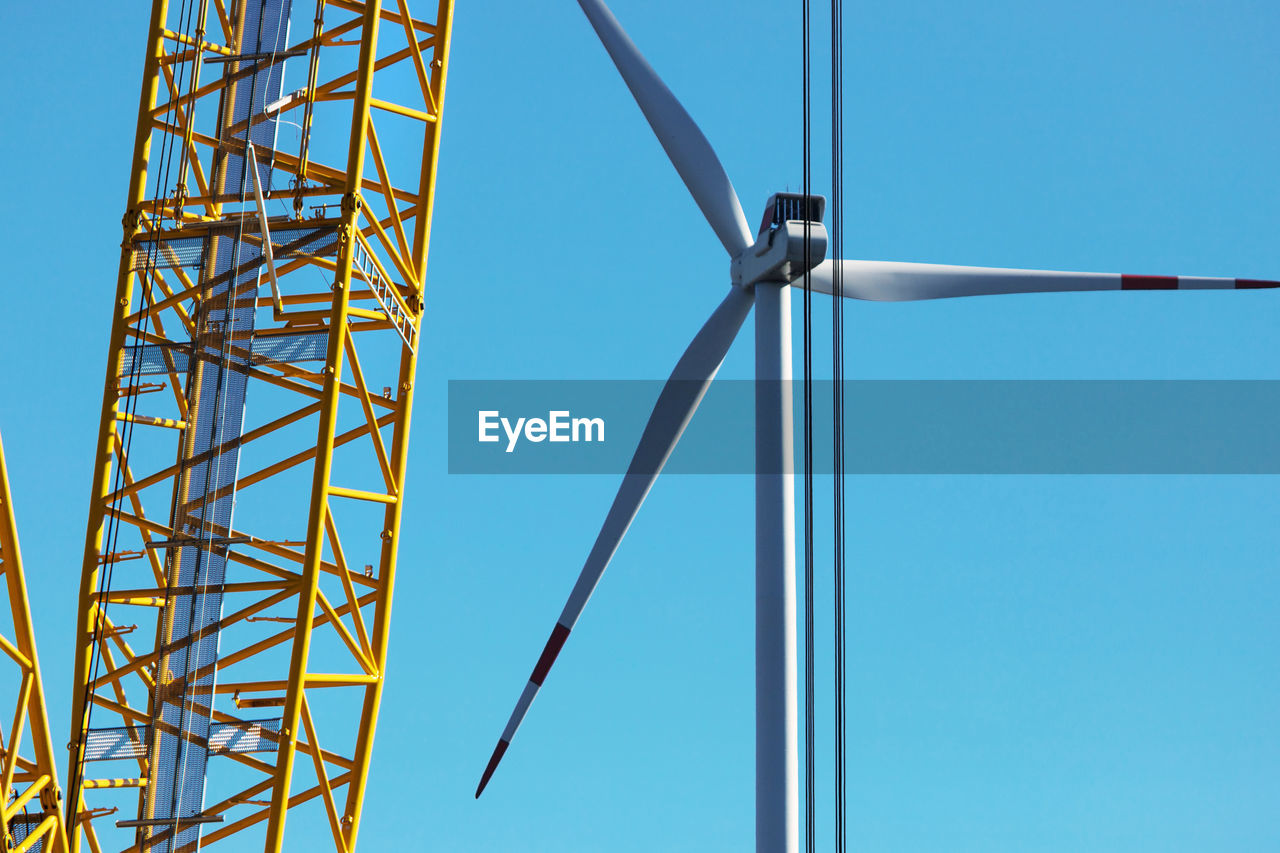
(240, 558)
(30, 798)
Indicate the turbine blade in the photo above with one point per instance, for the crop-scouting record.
(885, 281)
(675, 407)
(680, 136)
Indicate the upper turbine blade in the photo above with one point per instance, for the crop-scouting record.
(885, 281)
(684, 143)
(676, 404)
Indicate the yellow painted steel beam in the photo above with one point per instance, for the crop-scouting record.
(318, 512)
(385, 14)
(171, 423)
(36, 787)
(400, 110)
(402, 242)
(115, 783)
(410, 277)
(304, 628)
(87, 609)
(400, 444)
(204, 45)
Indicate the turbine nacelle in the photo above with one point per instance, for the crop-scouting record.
(791, 240)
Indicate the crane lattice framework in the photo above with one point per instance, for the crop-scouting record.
(30, 798)
(245, 514)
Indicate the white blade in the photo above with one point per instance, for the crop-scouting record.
(675, 407)
(684, 143)
(885, 281)
(266, 232)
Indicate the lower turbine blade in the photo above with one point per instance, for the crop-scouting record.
(885, 281)
(675, 407)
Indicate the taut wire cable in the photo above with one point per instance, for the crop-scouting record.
(838, 411)
(809, 703)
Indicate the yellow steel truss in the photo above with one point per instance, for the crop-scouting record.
(30, 799)
(327, 367)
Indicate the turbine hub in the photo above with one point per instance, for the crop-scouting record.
(791, 241)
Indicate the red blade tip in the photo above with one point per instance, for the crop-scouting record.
(498, 752)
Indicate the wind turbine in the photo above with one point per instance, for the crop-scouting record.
(791, 237)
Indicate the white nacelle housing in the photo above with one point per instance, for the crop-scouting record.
(778, 254)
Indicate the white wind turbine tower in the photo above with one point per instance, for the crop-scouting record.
(761, 269)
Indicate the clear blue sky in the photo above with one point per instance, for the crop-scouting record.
(1050, 664)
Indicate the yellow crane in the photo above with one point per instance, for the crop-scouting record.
(250, 469)
(30, 798)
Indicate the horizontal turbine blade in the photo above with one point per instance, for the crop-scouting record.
(675, 407)
(680, 136)
(886, 281)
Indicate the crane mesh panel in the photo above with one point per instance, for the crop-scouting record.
(153, 359)
(172, 252)
(179, 750)
(182, 735)
(290, 241)
(266, 31)
(21, 825)
(241, 736)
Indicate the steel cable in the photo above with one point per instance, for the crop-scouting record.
(838, 412)
(125, 442)
(809, 703)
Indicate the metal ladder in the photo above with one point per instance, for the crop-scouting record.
(383, 291)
